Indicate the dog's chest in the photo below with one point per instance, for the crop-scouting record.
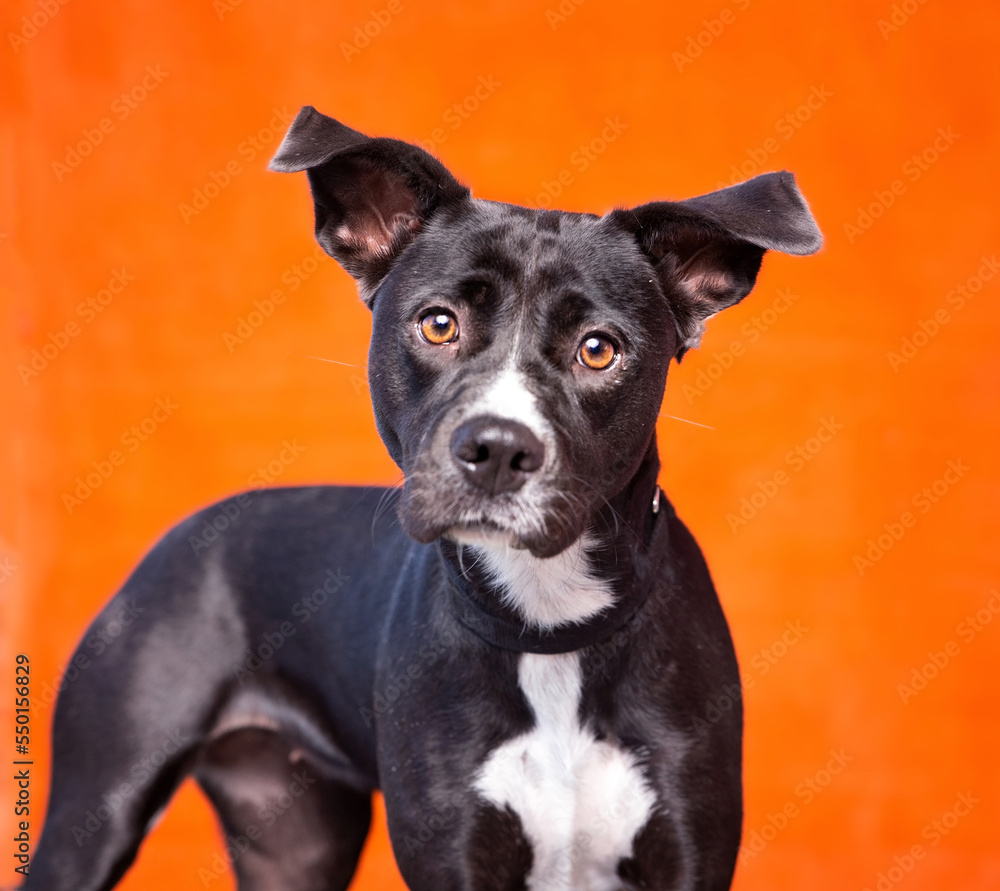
(580, 800)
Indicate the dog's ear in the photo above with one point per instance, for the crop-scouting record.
(371, 196)
(707, 250)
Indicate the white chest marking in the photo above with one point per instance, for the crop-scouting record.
(547, 592)
(581, 801)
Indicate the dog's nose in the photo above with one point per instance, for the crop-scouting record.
(495, 454)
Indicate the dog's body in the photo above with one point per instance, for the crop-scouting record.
(519, 648)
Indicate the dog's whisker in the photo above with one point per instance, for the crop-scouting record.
(381, 504)
(321, 359)
(618, 517)
(686, 421)
(480, 555)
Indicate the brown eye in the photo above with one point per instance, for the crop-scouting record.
(597, 352)
(439, 328)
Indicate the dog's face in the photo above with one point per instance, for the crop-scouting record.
(518, 357)
(513, 351)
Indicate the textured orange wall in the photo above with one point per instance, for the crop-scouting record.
(870, 105)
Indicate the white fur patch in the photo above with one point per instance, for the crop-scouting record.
(547, 591)
(581, 801)
(508, 397)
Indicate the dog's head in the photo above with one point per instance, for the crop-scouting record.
(519, 356)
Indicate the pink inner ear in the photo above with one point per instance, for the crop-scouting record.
(705, 282)
(379, 208)
(701, 275)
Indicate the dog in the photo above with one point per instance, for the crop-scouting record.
(518, 646)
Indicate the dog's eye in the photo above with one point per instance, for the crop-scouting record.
(439, 327)
(597, 352)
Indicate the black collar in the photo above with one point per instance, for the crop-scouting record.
(509, 634)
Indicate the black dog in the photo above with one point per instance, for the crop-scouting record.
(518, 647)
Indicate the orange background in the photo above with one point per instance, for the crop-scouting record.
(880, 99)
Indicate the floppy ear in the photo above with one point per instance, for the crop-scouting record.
(371, 196)
(707, 251)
